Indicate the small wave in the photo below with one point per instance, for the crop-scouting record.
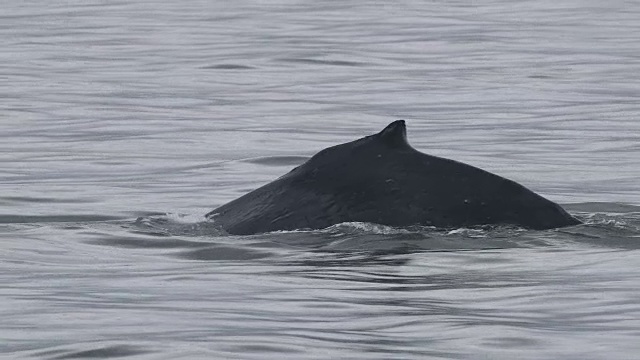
(37, 200)
(179, 224)
(611, 220)
(602, 208)
(228, 67)
(277, 160)
(100, 351)
(35, 219)
(323, 62)
(364, 227)
(220, 252)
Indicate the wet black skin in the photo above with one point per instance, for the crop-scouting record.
(382, 179)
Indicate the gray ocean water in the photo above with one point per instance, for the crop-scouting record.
(123, 123)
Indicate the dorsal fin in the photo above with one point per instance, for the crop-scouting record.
(395, 134)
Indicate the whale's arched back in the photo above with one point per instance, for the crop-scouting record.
(381, 179)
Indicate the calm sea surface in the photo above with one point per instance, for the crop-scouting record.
(123, 123)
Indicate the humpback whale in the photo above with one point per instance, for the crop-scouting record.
(381, 179)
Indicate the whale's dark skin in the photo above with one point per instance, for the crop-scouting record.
(382, 179)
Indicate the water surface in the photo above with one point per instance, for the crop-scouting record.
(122, 124)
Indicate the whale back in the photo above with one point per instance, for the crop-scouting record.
(382, 179)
